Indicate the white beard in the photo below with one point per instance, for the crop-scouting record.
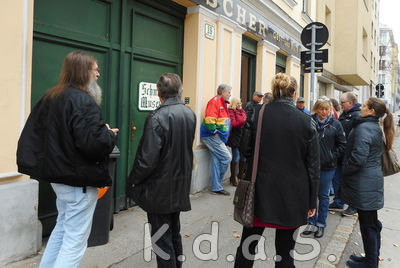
(94, 91)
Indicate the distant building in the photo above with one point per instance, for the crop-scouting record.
(389, 66)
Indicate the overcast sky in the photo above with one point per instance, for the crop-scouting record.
(390, 11)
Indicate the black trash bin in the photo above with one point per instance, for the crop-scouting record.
(103, 217)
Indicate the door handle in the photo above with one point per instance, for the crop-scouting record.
(133, 129)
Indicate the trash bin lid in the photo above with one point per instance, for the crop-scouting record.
(115, 153)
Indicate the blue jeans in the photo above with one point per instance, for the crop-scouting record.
(319, 219)
(336, 185)
(68, 240)
(236, 155)
(220, 159)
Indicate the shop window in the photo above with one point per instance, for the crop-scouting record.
(322, 89)
(248, 69)
(280, 63)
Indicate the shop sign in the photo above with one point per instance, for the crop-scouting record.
(254, 22)
(148, 96)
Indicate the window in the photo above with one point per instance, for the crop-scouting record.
(328, 22)
(306, 6)
(381, 79)
(365, 43)
(371, 60)
(372, 30)
(382, 64)
(382, 51)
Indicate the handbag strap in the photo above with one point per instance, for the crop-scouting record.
(257, 146)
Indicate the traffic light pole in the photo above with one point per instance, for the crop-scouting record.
(313, 61)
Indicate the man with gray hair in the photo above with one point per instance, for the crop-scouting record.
(351, 111)
(161, 174)
(215, 133)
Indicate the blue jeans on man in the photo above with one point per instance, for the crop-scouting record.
(220, 160)
(68, 240)
(319, 218)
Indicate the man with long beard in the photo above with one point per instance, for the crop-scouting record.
(66, 143)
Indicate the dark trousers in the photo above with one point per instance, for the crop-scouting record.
(284, 243)
(370, 228)
(170, 242)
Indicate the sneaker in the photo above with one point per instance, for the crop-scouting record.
(222, 192)
(309, 229)
(319, 233)
(334, 207)
(349, 212)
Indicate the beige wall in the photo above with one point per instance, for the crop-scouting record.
(16, 26)
(352, 60)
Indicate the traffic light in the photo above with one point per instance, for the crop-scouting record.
(379, 91)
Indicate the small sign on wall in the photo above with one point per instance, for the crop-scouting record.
(209, 31)
(148, 96)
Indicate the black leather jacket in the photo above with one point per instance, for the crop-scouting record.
(66, 141)
(161, 175)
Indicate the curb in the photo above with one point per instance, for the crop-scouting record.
(334, 250)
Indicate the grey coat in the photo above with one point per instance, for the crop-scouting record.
(362, 178)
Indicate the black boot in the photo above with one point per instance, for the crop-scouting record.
(242, 170)
(233, 178)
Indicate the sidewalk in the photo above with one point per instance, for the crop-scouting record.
(125, 248)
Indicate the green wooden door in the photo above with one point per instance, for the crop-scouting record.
(132, 43)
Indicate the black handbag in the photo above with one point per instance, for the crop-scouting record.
(245, 192)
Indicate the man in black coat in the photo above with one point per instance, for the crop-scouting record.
(66, 143)
(161, 175)
(351, 111)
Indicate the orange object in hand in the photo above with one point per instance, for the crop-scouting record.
(102, 191)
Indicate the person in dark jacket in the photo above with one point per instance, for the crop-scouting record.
(287, 176)
(332, 142)
(238, 117)
(66, 143)
(351, 111)
(362, 177)
(161, 174)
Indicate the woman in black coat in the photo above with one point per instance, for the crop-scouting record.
(362, 178)
(287, 176)
(332, 142)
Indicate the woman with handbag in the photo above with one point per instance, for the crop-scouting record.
(238, 117)
(286, 173)
(332, 142)
(362, 178)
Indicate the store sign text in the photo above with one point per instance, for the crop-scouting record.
(254, 22)
(148, 96)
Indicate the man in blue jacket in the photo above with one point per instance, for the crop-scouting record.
(300, 105)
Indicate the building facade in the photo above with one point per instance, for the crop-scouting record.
(243, 43)
(353, 47)
(388, 66)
